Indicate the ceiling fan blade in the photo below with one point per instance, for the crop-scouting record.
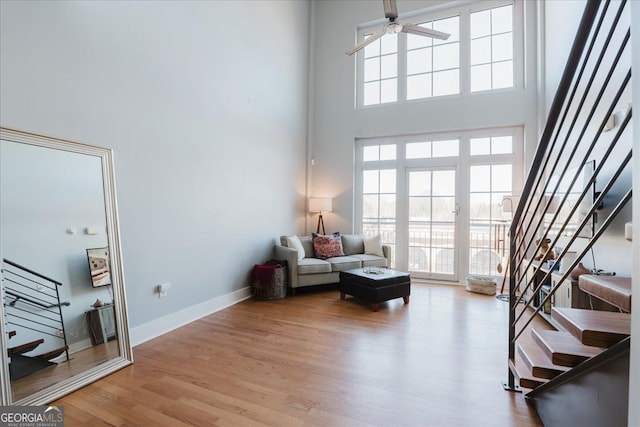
(390, 9)
(373, 37)
(421, 31)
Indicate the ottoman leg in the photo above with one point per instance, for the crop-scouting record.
(374, 306)
(342, 294)
(406, 299)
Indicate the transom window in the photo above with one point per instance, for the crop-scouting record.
(479, 55)
(431, 149)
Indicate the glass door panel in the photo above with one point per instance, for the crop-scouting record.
(432, 223)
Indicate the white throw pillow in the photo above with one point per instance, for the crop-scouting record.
(294, 243)
(373, 246)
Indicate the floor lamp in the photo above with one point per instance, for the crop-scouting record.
(320, 204)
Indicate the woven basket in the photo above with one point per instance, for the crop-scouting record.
(269, 280)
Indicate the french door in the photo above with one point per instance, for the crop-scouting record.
(436, 199)
(432, 221)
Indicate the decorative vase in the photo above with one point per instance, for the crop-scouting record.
(579, 271)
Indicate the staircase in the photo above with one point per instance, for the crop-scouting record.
(576, 373)
(32, 307)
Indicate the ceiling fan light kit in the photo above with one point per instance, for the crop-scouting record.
(394, 27)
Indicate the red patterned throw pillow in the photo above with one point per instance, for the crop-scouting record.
(327, 246)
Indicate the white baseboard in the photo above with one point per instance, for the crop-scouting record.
(168, 323)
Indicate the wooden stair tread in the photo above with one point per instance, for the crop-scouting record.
(523, 375)
(53, 353)
(612, 289)
(24, 348)
(563, 348)
(537, 361)
(595, 328)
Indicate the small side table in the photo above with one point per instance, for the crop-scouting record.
(102, 324)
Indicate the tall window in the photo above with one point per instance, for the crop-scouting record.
(488, 184)
(381, 70)
(379, 195)
(433, 66)
(492, 49)
(479, 55)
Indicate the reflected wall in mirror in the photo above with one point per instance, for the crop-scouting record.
(64, 312)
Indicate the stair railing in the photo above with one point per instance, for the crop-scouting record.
(600, 29)
(32, 301)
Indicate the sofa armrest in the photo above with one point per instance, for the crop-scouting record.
(283, 253)
(386, 250)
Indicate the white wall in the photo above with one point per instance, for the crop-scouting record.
(337, 124)
(204, 104)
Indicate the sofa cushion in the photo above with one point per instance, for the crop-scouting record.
(341, 263)
(307, 244)
(371, 260)
(352, 244)
(327, 246)
(373, 246)
(313, 266)
(294, 243)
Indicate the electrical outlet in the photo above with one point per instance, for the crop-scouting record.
(163, 289)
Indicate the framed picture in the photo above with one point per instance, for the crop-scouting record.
(99, 266)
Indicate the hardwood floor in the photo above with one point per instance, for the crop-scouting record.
(315, 360)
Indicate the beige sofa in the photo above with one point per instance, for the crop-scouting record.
(310, 271)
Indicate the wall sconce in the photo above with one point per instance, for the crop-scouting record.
(320, 204)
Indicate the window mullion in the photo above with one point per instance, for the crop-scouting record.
(402, 68)
(465, 53)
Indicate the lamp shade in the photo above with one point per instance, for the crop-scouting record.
(510, 203)
(320, 204)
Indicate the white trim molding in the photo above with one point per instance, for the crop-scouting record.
(148, 331)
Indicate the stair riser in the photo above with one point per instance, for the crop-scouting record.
(598, 339)
(569, 360)
(524, 382)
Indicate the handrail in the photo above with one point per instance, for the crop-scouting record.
(612, 107)
(24, 285)
(18, 297)
(586, 22)
(35, 273)
(593, 83)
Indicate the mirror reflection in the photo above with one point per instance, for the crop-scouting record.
(57, 288)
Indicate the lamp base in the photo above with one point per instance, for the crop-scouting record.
(320, 223)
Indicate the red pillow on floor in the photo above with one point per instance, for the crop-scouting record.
(327, 246)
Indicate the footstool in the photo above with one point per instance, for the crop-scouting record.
(375, 288)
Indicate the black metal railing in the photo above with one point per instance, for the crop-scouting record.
(558, 204)
(32, 302)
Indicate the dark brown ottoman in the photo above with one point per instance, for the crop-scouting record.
(375, 288)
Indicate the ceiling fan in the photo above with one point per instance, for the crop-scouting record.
(394, 27)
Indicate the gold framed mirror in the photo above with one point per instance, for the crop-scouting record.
(63, 325)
